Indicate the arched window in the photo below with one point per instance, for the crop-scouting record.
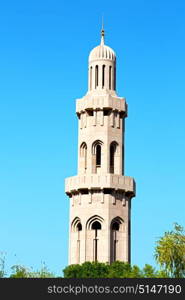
(116, 226)
(76, 228)
(113, 162)
(96, 76)
(103, 76)
(83, 156)
(96, 155)
(110, 77)
(95, 224)
(90, 78)
(112, 153)
(76, 225)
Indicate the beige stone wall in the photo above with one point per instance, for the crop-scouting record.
(105, 207)
(104, 124)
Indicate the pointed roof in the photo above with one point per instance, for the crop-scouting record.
(102, 52)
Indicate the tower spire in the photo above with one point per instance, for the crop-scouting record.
(102, 32)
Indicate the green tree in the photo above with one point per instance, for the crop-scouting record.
(149, 272)
(42, 273)
(23, 272)
(73, 271)
(135, 272)
(2, 264)
(94, 270)
(87, 270)
(170, 252)
(19, 272)
(119, 269)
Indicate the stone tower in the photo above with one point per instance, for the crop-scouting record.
(100, 195)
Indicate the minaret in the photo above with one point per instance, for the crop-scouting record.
(100, 195)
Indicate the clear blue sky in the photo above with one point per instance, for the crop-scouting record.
(44, 47)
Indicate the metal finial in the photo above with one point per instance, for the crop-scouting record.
(102, 32)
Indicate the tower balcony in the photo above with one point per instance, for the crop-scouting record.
(96, 181)
(102, 102)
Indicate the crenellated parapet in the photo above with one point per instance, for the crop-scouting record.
(90, 182)
(101, 102)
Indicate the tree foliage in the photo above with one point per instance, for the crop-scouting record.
(117, 269)
(23, 272)
(87, 270)
(20, 272)
(2, 264)
(170, 252)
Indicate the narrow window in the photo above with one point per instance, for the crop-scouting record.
(90, 78)
(85, 158)
(114, 78)
(115, 228)
(112, 158)
(98, 155)
(103, 76)
(96, 226)
(83, 155)
(79, 228)
(110, 77)
(96, 76)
